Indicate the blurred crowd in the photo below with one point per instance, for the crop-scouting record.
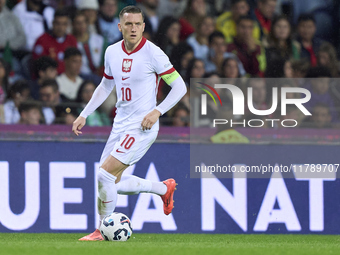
(51, 54)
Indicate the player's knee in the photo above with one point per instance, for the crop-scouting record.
(113, 166)
(103, 177)
(113, 172)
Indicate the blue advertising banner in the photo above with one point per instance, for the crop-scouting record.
(51, 187)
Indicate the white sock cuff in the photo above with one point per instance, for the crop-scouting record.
(147, 186)
(104, 175)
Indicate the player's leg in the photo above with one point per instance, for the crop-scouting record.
(109, 173)
(107, 176)
(112, 140)
(133, 149)
(130, 185)
(127, 150)
(138, 144)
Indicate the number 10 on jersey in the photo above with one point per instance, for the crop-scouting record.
(126, 94)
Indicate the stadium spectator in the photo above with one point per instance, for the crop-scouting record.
(280, 46)
(91, 45)
(65, 114)
(199, 40)
(327, 57)
(180, 57)
(230, 68)
(318, 84)
(217, 54)
(250, 53)
(50, 98)
(108, 22)
(292, 113)
(59, 4)
(226, 22)
(225, 95)
(85, 92)
(310, 45)
(90, 9)
(283, 68)
(70, 81)
(49, 93)
(30, 113)
(213, 78)
(287, 83)
(18, 93)
(259, 95)
(193, 13)
(167, 36)
(55, 42)
(196, 69)
(299, 68)
(217, 49)
(173, 7)
(150, 7)
(36, 19)
(181, 116)
(264, 13)
(287, 69)
(230, 76)
(4, 84)
(321, 117)
(11, 30)
(46, 68)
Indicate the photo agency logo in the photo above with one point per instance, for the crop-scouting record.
(241, 108)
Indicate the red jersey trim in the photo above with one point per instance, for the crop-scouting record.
(140, 45)
(108, 77)
(171, 70)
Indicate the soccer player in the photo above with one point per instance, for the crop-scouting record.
(135, 66)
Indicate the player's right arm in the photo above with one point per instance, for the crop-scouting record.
(99, 96)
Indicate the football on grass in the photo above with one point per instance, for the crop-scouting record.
(116, 227)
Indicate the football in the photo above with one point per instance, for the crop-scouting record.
(116, 227)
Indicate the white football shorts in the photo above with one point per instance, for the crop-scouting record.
(128, 146)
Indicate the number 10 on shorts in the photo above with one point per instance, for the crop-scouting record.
(127, 142)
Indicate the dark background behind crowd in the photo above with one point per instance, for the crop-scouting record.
(51, 54)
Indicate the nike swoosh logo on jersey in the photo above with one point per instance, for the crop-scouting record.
(107, 202)
(124, 78)
(120, 151)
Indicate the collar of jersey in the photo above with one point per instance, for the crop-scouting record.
(140, 45)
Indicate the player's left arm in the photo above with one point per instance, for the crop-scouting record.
(178, 90)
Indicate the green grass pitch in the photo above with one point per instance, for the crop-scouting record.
(174, 244)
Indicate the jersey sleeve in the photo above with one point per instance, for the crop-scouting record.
(163, 66)
(102, 92)
(108, 81)
(107, 70)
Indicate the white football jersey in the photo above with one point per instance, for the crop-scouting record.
(136, 76)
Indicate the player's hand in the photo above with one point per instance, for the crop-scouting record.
(150, 119)
(78, 125)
